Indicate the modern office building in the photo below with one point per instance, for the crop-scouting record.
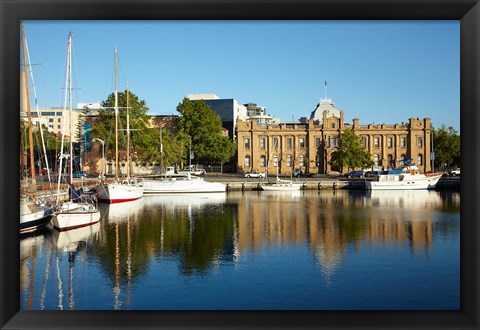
(229, 110)
(308, 144)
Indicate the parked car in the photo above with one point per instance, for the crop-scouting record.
(356, 174)
(455, 172)
(192, 170)
(298, 173)
(255, 174)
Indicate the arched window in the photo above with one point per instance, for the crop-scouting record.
(246, 162)
(390, 161)
(263, 161)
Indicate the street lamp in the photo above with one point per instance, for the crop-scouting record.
(103, 155)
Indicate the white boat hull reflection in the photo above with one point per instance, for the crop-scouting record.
(67, 241)
(117, 213)
(411, 199)
(186, 200)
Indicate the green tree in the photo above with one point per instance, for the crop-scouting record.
(204, 126)
(446, 144)
(350, 153)
(104, 128)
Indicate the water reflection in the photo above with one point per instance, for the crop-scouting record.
(201, 233)
(329, 223)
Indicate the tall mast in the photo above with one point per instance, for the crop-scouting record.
(60, 166)
(70, 104)
(161, 151)
(27, 98)
(116, 113)
(128, 138)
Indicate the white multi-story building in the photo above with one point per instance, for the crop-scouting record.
(57, 120)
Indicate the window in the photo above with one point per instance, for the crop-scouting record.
(420, 141)
(389, 142)
(376, 142)
(403, 141)
(420, 160)
(289, 143)
(50, 120)
(302, 143)
(301, 161)
(262, 143)
(59, 113)
(318, 142)
(333, 125)
(289, 161)
(275, 161)
(364, 141)
(246, 142)
(275, 142)
(246, 162)
(59, 120)
(58, 126)
(376, 160)
(263, 161)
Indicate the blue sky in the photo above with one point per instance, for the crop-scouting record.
(377, 71)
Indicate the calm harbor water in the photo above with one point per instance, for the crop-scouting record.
(306, 250)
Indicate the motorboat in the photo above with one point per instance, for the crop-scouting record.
(407, 177)
(181, 185)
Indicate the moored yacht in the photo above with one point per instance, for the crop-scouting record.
(407, 177)
(181, 185)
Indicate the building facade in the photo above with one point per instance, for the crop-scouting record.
(309, 145)
(229, 110)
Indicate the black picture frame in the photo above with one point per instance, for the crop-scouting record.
(467, 11)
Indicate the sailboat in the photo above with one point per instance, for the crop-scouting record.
(128, 189)
(78, 211)
(280, 184)
(34, 214)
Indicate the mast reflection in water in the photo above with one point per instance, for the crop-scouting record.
(296, 250)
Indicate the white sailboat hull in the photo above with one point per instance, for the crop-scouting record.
(118, 192)
(73, 215)
(281, 186)
(180, 186)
